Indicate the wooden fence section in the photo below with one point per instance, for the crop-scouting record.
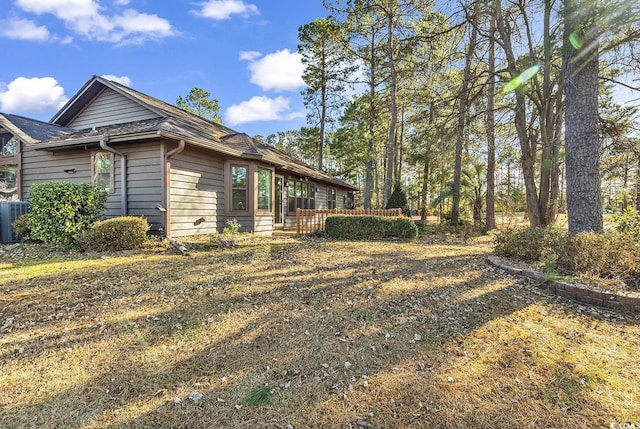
(312, 220)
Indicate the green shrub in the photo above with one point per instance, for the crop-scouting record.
(403, 227)
(627, 222)
(61, 211)
(363, 227)
(21, 226)
(398, 199)
(530, 244)
(229, 236)
(232, 228)
(119, 233)
(607, 255)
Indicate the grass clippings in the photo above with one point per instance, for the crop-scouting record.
(345, 334)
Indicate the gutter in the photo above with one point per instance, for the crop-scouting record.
(213, 143)
(123, 173)
(167, 183)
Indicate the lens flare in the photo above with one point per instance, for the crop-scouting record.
(575, 40)
(522, 78)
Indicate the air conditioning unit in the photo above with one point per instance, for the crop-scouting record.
(10, 211)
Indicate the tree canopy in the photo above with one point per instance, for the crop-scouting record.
(199, 102)
(524, 92)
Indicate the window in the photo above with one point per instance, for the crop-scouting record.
(349, 201)
(312, 196)
(302, 195)
(331, 198)
(264, 189)
(9, 145)
(292, 196)
(239, 188)
(8, 182)
(9, 171)
(102, 167)
(305, 196)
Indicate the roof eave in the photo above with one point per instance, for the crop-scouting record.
(9, 126)
(69, 144)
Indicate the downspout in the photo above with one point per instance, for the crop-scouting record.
(123, 174)
(167, 183)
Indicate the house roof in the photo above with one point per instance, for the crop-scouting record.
(177, 123)
(31, 130)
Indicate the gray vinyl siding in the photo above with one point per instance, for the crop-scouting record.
(321, 197)
(196, 193)
(109, 108)
(43, 167)
(263, 223)
(144, 170)
(340, 193)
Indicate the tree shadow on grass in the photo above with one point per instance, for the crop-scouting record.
(296, 333)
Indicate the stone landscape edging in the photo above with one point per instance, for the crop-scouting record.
(574, 291)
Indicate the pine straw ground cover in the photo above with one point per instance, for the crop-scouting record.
(376, 334)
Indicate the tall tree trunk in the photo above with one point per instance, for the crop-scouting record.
(625, 182)
(490, 222)
(425, 187)
(584, 203)
(462, 112)
(323, 120)
(368, 181)
(638, 184)
(393, 110)
(528, 153)
(554, 192)
(546, 120)
(399, 148)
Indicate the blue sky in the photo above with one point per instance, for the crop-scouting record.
(242, 51)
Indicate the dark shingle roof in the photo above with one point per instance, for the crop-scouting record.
(33, 129)
(187, 125)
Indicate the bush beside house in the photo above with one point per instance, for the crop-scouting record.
(61, 211)
(120, 233)
(363, 227)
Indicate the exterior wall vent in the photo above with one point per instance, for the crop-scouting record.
(10, 211)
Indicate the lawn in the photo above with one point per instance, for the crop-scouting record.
(379, 334)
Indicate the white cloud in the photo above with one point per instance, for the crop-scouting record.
(87, 18)
(63, 9)
(124, 80)
(132, 21)
(249, 55)
(23, 29)
(260, 109)
(280, 71)
(32, 95)
(223, 9)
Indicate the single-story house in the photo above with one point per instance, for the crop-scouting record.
(185, 174)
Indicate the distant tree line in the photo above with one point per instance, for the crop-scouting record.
(485, 105)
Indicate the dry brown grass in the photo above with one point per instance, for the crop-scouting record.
(347, 334)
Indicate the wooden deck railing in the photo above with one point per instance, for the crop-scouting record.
(312, 220)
